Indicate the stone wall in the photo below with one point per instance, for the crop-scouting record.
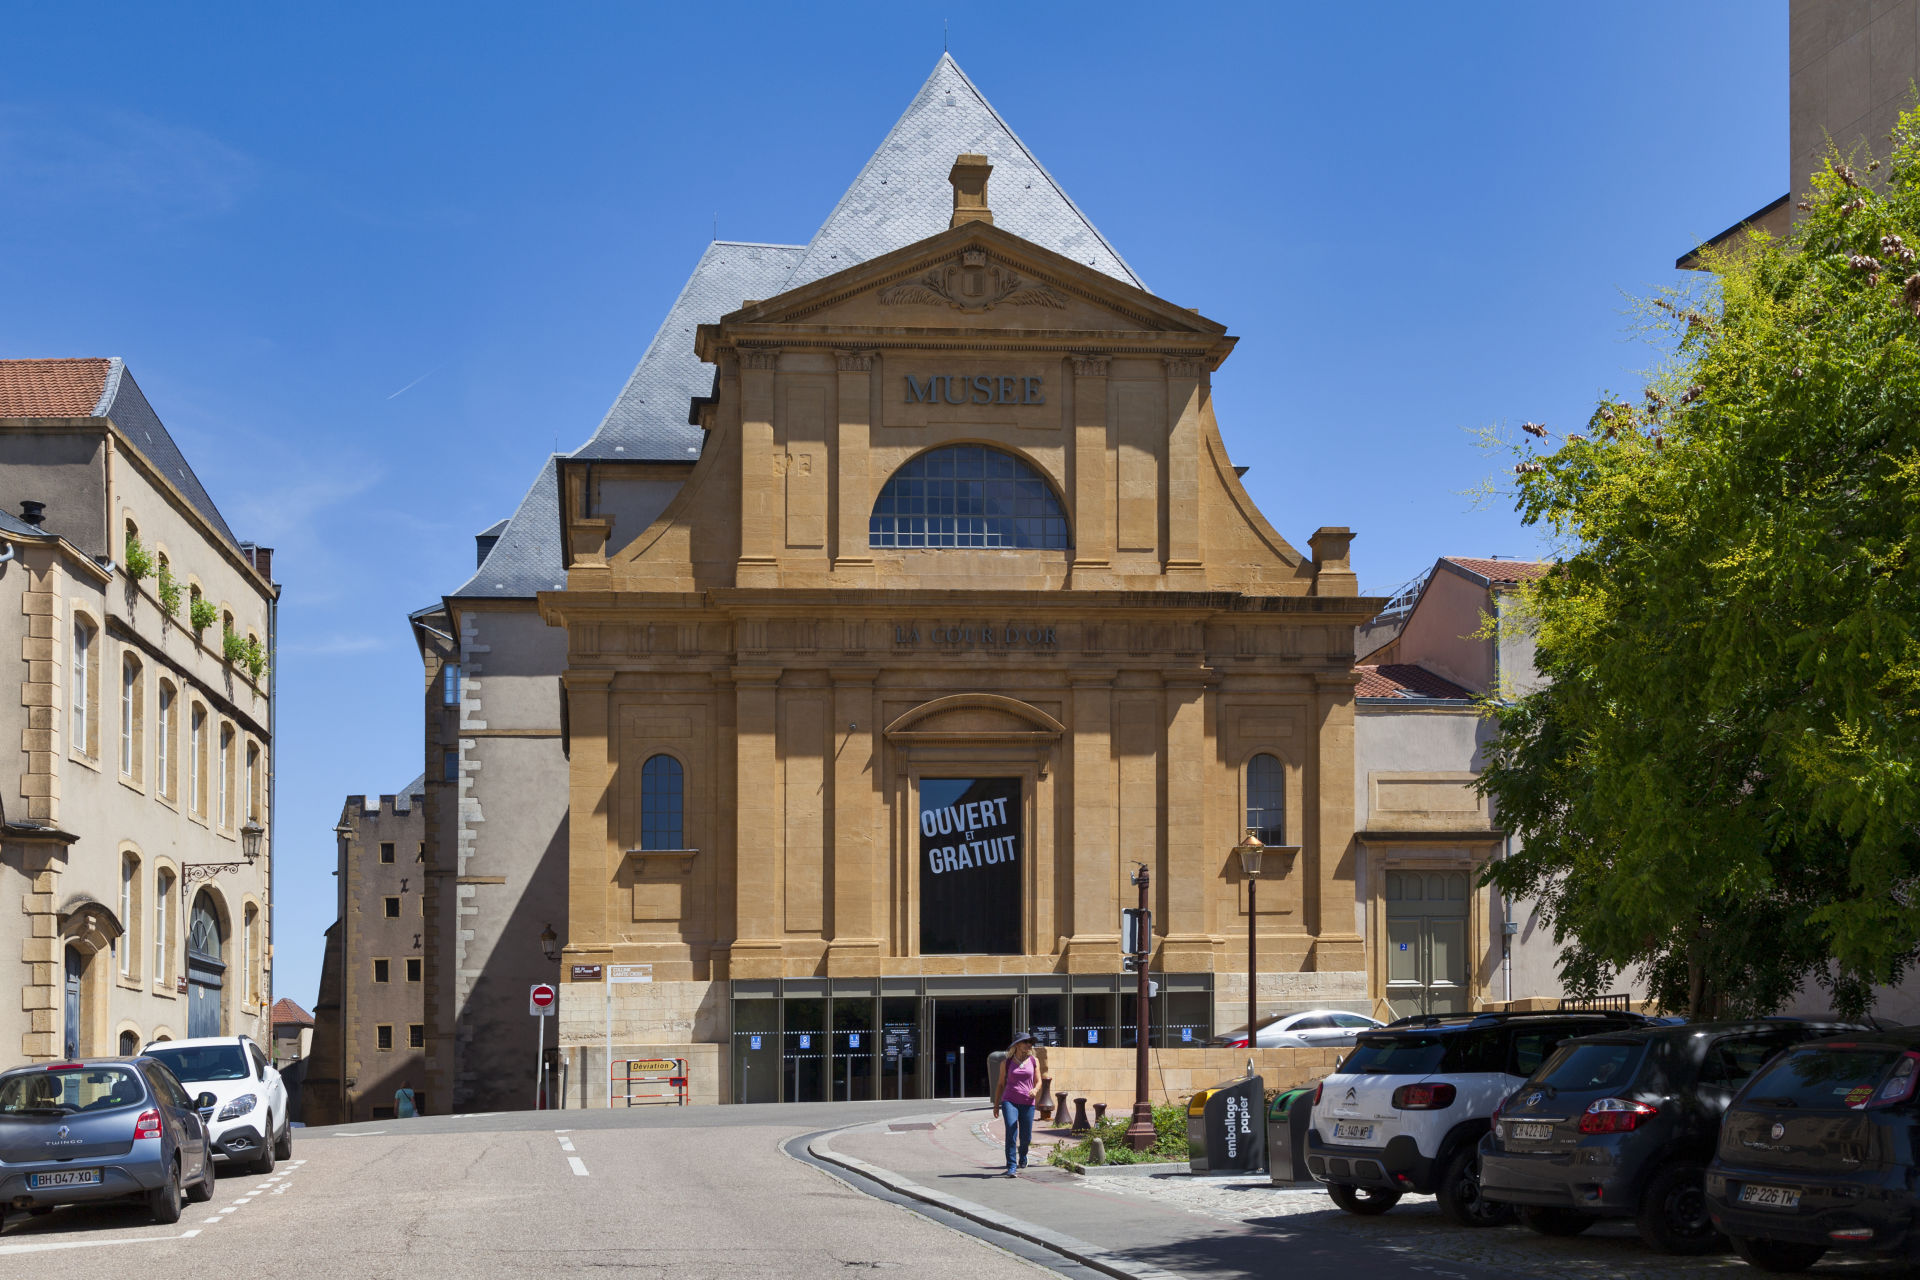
(1174, 1075)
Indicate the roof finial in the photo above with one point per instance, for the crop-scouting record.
(943, 35)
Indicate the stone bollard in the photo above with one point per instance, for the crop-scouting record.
(1097, 1151)
(1099, 1114)
(1080, 1124)
(1060, 1110)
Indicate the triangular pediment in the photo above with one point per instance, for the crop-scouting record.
(975, 276)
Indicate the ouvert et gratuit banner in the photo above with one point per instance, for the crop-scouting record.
(970, 866)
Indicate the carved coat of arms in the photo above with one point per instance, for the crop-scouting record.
(974, 282)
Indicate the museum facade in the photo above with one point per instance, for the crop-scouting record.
(957, 613)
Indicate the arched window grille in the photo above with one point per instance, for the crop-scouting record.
(967, 496)
(662, 804)
(1267, 799)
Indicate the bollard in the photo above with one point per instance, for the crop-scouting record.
(1097, 1151)
(1060, 1110)
(1080, 1124)
(1099, 1114)
(1044, 1108)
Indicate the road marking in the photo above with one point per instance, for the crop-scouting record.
(579, 1166)
(51, 1246)
(230, 1208)
(209, 1220)
(566, 1144)
(563, 1131)
(360, 1133)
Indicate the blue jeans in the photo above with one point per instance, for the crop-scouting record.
(1019, 1123)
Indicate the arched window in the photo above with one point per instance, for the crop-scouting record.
(162, 924)
(85, 738)
(133, 715)
(248, 918)
(129, 910)
(224, 784)
(1267, 799)
(253, 781)
(967, 496)
(197, 762)
(129, 1043)
(662, 801)
(164, 753)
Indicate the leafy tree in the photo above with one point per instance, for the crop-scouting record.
(1718, 787)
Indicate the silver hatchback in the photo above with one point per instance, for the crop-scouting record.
(101, 1129)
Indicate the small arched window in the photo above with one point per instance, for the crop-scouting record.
(662, 804)
(197, 762)
(85, 687)
(129, 911)
(163, 751)
(162, 927)
(129, 1043)
(133, 715)
(223, 785)
(1267, 799)
(967, 496)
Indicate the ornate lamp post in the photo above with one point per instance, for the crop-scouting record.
(550, 944)
(191, 873)
(1140, 1130)
(1250, 851)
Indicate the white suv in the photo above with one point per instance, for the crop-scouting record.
(1404, 1112)
(248, 1122)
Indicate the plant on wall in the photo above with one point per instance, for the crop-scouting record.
(201, 614)
(169, 591)
(255, 658)
(137, 560)
(233, 647)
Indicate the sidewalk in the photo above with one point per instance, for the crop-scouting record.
(1176, 1227)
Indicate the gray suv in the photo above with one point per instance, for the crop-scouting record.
(101, 1129)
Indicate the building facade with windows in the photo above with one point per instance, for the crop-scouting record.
(135, 756)
(946, 611)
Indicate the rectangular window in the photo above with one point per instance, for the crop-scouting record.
(82, 654)
(383, 1036)
(393, 908)
(129, 716)
(162, 894)
(163, 746)
(450, 766)
(382, 970)
(225, 783)
(197, 763)
(413, 969)
(129, 873)
(386, 851)
(416, 1035)
(450, 685)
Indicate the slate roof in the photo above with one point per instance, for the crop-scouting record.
(648, 422)
(14, 527)
(526, 559)
(59, 389)
(1502, 572)
(1405, 680)
(403, 798)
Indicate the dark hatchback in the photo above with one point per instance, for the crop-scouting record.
(1622, 1125)
(1820, 1151)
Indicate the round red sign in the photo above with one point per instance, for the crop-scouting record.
(543, 995)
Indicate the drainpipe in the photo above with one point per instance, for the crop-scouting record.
(1507, 926)
(273, 810)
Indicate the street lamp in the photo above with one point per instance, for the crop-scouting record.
(1250, 851)
(550, 944)
(250, 837)
(192, 873)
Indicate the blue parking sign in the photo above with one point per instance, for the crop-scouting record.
(1093, 1035)
(853, 1040)
(753, 1042)
(806, 1041)
(1186, 1033)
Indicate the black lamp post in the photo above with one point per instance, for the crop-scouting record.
(1250, 851)
(550, 945)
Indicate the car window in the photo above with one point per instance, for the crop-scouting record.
(202, 1061)
(1731, 1062)
(1475, 1052)
(1317, 1022)
(1584, 1068)
(1351, 1020)
(259, 1061)
(65, 1092)
(1396, 1055)
(168, 1088)
(1832, 1078)
(1531, 1046)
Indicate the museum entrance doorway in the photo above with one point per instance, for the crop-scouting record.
(979, 1025)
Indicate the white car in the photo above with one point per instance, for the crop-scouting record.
(248, 1123)
(1308, 1029)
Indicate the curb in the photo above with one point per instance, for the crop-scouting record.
(1088, 1255)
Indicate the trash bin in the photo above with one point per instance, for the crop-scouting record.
(1224, 1131)
(1287, 1122)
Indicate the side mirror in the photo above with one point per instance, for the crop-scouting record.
(206, 1102)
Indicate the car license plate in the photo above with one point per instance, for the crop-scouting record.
(1531, 1132)
(1770, 1197)
(1347, 1131)
(65, 1178)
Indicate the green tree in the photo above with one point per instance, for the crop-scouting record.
(1718, 786)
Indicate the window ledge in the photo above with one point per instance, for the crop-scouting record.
(686, 857)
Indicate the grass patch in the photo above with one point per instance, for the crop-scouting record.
(1169, 1145)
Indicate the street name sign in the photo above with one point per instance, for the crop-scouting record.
(629, 973)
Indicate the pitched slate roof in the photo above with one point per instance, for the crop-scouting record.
(403, 798)
(904, 194)
(101, 387)
(1502, 572)
(1404, 680)
(526, 559)
(648, 421)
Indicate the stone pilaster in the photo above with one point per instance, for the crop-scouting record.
(1329, 855)
(592, 858)
(1092, 482)
(756, 949)
(1184, 389)
(1093, 911)
(1192, 862)
(760, 514)
(853, 485)
(859, 890)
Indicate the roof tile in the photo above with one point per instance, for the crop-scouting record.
(1405, 680)
(287, 1013)
(62, 388)
(1502, 571)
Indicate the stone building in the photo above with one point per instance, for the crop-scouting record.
(136, 774)
(947, 612)
(369, 1025)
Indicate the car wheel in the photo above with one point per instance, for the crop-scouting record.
(1365, 1201)
(1459, 1193)
(202, 1191)
(1777, 1255)
(283, 1145)
(1673, 1212)
(163, 1202)
(1555, 1222)
(263, 1163)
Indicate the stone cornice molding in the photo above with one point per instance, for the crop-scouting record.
(767, 358)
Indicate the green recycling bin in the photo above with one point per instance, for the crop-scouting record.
(1288, 1118)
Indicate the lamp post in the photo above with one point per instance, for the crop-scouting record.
(1140, 1131)
(192, 873)
(1250, 850)
(550, 945)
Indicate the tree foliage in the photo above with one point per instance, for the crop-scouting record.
(1717, 788)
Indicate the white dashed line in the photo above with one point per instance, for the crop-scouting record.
(566, 1144)
(579, 1166)
(51, 1246)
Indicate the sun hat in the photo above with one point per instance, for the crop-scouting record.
(1025, 1037)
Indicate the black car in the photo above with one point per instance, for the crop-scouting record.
(1622, 1125)
(1819, 1152)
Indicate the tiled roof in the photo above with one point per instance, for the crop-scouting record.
(526, 559)
(67, 388)
(1502, 571)
(101, 387)
(904, 193)
(287, 1013)
(1404, 680)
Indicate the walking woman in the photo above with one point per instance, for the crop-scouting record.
(1014, 1092)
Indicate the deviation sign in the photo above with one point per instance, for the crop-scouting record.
(540, 1000)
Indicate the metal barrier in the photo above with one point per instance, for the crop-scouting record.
(662, 1081)
(1596, 1004)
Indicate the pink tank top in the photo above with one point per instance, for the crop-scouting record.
(1022, 1080)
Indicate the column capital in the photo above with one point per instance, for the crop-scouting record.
(759, 357)
(854, 361)
(1185, 366)
(1088, 364)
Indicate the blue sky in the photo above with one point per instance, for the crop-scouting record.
(370, 264)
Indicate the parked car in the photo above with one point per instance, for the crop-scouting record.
(1405, 1111)
(249, 1125)
(101, 1129)
(1622, 1125)
(1818, 1152)
(1310, 1029)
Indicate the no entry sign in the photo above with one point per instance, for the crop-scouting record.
(540, 1000)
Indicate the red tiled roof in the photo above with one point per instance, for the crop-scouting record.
(287, 1013)
(1404, 680)
(1502, 571)
(51, 388)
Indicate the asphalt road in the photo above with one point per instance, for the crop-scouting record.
(686, 1193)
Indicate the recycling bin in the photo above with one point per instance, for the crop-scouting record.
(1224, 1129)
(1288, 1120)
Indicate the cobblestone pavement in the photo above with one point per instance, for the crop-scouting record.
(1414, 1227)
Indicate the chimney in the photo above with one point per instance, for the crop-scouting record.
(33, 512)
(261, 558)
(969, 178)
(1332, 570)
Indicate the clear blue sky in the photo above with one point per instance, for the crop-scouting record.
(371, 265)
